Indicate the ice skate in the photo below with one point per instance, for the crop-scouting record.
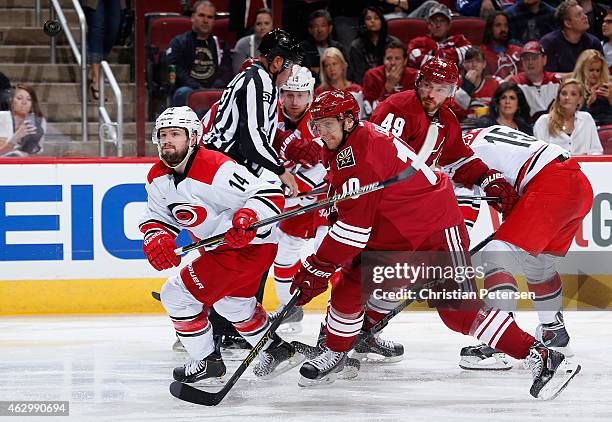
(484, 358)
(555, 336)
(292, 323)
(550, 370)
(323, 369)
(209, 370)
(278, 358)
(234, 347)
(374, 349)
(351, 366)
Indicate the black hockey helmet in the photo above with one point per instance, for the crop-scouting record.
(280, 43)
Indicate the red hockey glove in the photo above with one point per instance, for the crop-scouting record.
(159, 248)
(312, 278)
(304, 151)
(494, 184)
(237, 236)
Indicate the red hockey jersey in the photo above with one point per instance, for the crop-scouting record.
(403, 115)
(421, 49)
(399, 217)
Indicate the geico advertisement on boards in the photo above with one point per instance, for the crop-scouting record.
(80, 220)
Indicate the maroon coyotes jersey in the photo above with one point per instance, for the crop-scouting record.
(399, 217)
(403, 115)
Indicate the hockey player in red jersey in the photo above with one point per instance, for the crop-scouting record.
(555, 196)
(408, 114)
(294, 137)
(420, 214)
(206, 193)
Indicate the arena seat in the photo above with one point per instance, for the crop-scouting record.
(202, 99)
(472, 28)
(407, 28)
(605, 136)
(222, 30)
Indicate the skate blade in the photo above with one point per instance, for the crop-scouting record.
(326, 380)
(290, 328)
(374, 359)
(493, 363)
(210, 382)
(284, 366)
(563, 375)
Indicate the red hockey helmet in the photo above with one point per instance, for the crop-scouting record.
(335, 103)
(248, 62)
(439, 70)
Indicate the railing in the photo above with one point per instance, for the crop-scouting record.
(110, 131)
(79, 56)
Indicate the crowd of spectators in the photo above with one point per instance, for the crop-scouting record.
(512, 76)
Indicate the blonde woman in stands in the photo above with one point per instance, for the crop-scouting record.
(333, 75)
(22, 128)
(566, 126)
(592, 70)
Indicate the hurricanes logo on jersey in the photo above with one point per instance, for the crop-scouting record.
(188, 215)
(345, 158)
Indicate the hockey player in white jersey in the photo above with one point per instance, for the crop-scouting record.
(555, 196)
(207, 193)
(294, 137)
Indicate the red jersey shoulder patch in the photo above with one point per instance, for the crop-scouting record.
(159, 169)
(206, 164)
(345, 158)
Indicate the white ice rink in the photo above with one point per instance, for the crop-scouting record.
(119, 368)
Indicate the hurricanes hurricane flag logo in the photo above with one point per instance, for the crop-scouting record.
(188, 215)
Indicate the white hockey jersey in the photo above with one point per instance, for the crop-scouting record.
(204, 199)
(517, 155)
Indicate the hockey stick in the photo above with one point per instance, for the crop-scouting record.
(480, 198)
(191, 394)
(424, 153)
(399, 308)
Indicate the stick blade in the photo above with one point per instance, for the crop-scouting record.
(193, 395)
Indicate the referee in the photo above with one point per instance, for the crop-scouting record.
(246, 120)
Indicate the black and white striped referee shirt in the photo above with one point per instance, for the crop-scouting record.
(246, 121)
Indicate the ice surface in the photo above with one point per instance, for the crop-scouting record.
(119, 368)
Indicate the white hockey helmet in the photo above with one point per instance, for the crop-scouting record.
(300, 80)
(179, 117)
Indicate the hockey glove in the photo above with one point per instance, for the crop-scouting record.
(304, 151)
(159, 248)
(494, 184)
(237, 236)
(312, 278)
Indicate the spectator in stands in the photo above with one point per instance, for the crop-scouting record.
(540, 87)
(393, 76)
(606, 29)
(438, 42)
(333, 73)
(501, 55)
(477, 89)
(482, 8)
(592, 71)
(320, 28)
(247, 46)
(103, 24)
(345, 14)
(5, 92)
(530, 20)
(508, 108)
(596, 14)
(566, 126)
(368, 49)
(22, 129)
(242, 15)
(202, 60)
(565, 45)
